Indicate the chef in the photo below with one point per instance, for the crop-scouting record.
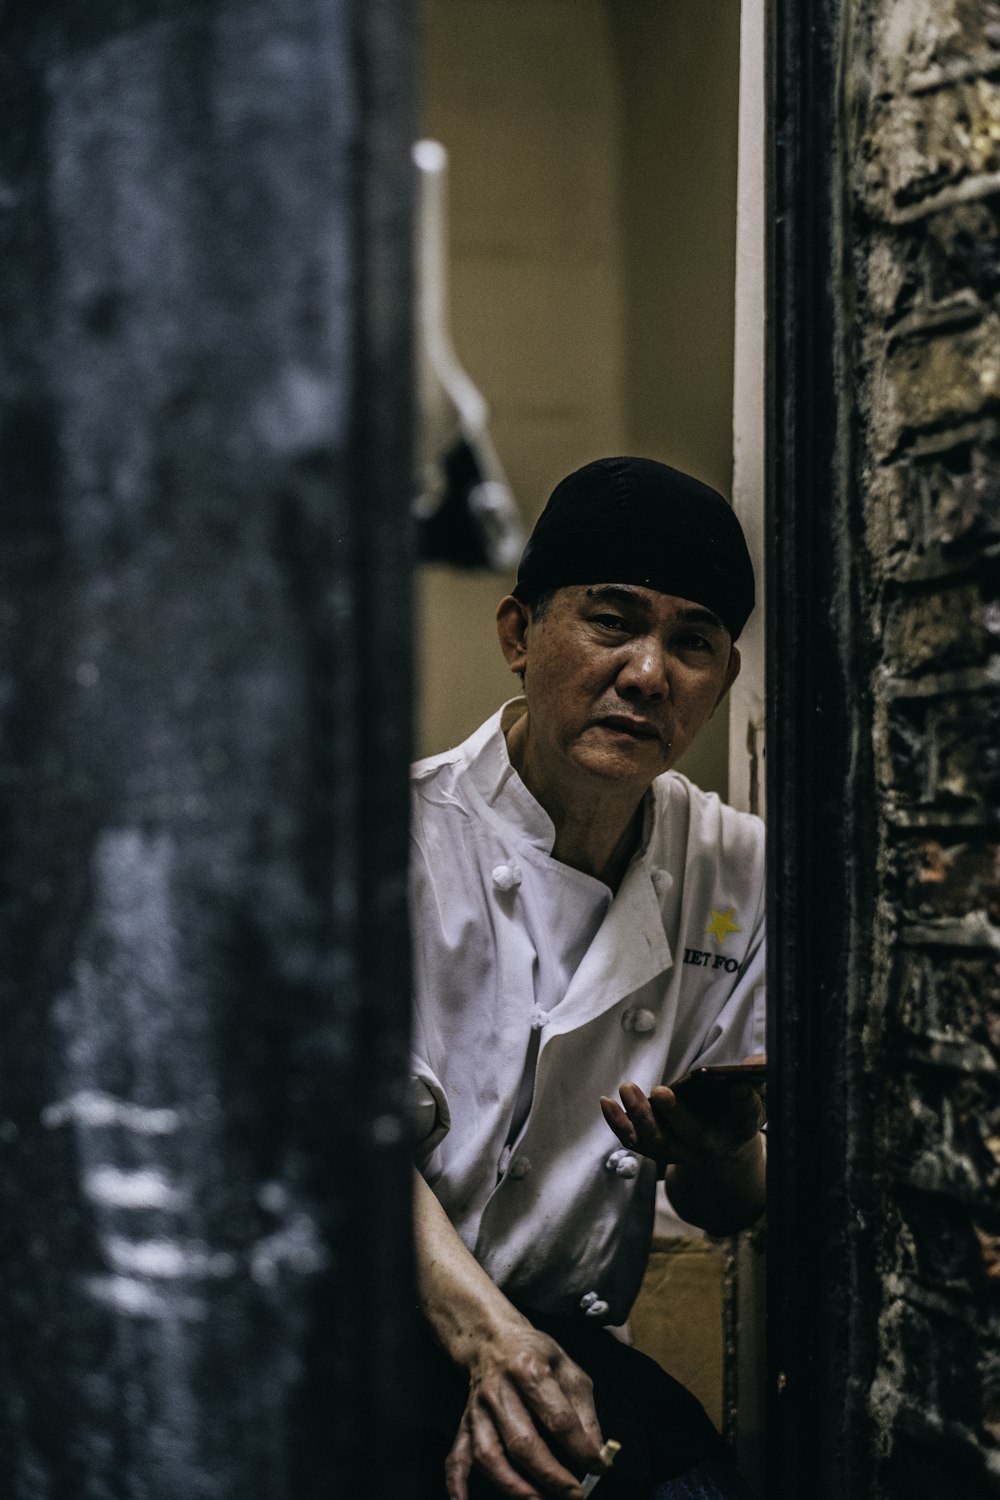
(588, 927)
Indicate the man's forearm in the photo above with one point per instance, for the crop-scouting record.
(461, 1303)
(528, 1403)
(725, 1195)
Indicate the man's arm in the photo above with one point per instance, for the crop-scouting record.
(714, 1170)
(519, 1379)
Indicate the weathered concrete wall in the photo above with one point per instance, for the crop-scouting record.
(922, 303)
(204, 437)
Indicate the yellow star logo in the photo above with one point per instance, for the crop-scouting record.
(722, 923)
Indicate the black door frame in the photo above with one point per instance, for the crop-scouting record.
(817, 739)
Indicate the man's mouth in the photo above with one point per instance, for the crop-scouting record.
(640, 729)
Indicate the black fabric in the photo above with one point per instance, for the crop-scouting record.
(633, 520)
(663, 1430)
(710, 1480)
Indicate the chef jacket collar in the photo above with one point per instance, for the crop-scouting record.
(501, 788)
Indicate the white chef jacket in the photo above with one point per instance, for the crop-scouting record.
(560, 1217)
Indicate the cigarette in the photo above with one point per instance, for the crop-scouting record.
(605, 1458)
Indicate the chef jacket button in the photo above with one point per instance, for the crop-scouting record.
(623, 1163)
(519, 1167)
(538, 1018)
(506, 877)
(637, 1019)
(662, 880)
(593, 1306)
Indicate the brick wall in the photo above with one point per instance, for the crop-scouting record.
(922, 249)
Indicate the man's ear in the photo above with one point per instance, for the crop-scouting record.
(732, 672)
(513, 619)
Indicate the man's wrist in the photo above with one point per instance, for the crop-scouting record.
(465, 1327)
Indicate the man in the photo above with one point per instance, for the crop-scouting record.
(584, 918)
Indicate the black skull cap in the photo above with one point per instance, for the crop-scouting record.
(633, 520)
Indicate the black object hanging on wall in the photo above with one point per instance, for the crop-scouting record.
(205, 453)
(454, 532)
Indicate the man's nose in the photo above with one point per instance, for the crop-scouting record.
(646, 672)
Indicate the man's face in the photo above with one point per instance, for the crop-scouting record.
(619, 679)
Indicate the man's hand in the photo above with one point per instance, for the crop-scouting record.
(525, 1397)
(713, 1164)
(674, 1133)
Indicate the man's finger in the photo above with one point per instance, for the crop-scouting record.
(563, 1403)
(526, 1446)
(736, 1118)
(458, 1466)
(731, 1105)
(508, 1447)
(687, 1125)
(649, 1136)
(580, 1389)
(669, 1111)
(619, 1122)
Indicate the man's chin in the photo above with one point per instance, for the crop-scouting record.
(628, 759)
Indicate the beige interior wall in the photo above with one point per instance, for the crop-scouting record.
(679, 69)
(592, 183)
(523, 94)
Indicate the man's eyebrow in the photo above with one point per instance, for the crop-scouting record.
(699, 616)
(614, 593)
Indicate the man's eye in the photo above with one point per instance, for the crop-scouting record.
(695, 642)
(610, 622)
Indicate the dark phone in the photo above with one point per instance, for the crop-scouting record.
(705, 1090)
(724, 1074)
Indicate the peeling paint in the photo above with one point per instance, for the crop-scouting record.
(145, 1188)
(91, 1108)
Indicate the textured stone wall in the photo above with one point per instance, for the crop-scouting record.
(922, 310)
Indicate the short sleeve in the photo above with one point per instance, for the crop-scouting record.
(427, 1109)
